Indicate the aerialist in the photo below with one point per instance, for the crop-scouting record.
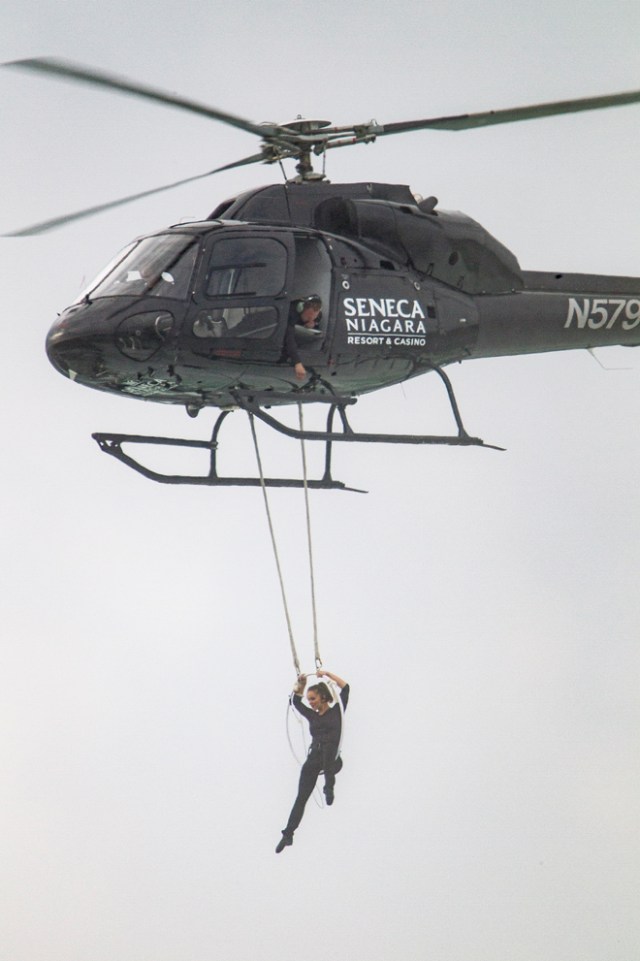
(325, 727)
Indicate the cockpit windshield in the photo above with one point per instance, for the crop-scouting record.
(159, 266)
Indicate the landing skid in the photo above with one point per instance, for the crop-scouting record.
(252, 404)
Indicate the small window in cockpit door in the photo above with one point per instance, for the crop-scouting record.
(247, 267)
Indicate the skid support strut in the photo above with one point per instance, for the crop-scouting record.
(252, 403)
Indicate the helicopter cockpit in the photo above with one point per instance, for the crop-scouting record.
(192, 294)
(243, 284)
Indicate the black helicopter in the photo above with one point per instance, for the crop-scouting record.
(200, 314)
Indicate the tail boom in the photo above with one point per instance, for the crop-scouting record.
(559, 312)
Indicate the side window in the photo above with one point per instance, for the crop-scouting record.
(247, 266)
(311, 277)
(256, 324)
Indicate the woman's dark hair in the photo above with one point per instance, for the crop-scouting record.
(323, 691)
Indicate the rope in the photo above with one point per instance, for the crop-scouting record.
(296, 663)
(294, 653)
(316, 648)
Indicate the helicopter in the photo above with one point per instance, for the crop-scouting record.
(201, 314)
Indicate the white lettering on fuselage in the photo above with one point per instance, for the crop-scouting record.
(603, 312)
(384, 320)
(382, 307)
(395, 342)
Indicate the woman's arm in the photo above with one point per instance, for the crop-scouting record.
(334, 677)
(296, 700)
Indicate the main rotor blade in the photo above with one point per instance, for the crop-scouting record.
(468, 121)
(98, 78)
(45, 225)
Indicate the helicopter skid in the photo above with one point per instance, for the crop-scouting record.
(112, 444)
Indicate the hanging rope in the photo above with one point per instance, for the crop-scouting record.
(296, 663)
(316, 648)
(294, 653)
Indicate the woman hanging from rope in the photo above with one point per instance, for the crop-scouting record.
(325, 727)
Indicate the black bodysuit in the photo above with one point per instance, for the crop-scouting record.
(325, 730)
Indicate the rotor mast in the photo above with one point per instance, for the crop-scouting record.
(301, 138)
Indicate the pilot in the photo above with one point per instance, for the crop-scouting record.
(325, 727)
(306, 312)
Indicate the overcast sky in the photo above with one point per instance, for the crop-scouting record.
(483, 605)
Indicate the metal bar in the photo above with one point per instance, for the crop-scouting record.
(112, 444)
(327, 446)
(452, 399)
(213, 472)
(251, 404)
(459, 440)
(104, 439)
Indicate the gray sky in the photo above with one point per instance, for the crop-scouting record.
(483, 605)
